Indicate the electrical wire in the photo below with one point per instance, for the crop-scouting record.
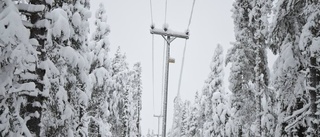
(184, 50)
(182, 66)
(194, 1)
(163, 65)
(152, 57)
(153, 72)
(165, 13)
(151, 12)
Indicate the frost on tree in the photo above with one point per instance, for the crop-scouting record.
(177, 118)
(100, 78)
(76, 79)
(242, 57)
(220, 109)
(18, 76)
(289, 79)
(258, 25)
(119, 74)
(194, 117)
(216, 111)
(309, 45)
(185, 123)
(136, 85)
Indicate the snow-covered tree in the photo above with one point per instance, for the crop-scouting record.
(76, 78)
(137, 102)
(119, 73)
(220, 110)
(289, 77)
(34, 13)
(249, 73)
(213, 93)
(58, 113)
(242, 57)
(177, 117)
(194, 116)
(18, 77)
(310, 53)
(258, 25)
(185, 121)
(100, 77)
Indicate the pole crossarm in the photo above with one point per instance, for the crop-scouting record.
(170, 33)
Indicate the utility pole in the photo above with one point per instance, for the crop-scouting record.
(168, 36)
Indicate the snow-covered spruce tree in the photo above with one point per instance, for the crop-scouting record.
(18, 76)
(132, 103)
(185, 123)
(207, 105)
(33, 12)
(214, 86)
(136, 84)
(220, 112)
(100, 77)
(242, 59)
(193, 120)
(310, 51)
(119, 74)
(258, 25)
(76, 78)
(57, 116)
(177, 117)
(289, 78)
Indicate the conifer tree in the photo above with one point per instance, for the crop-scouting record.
(100, 77)
(18, 76)
(185, 123)
(258, 24)
(242, 58)
(34, 13)
(309, 46)
(177, 117)
(289, 72)
(220, 113)
(119, 74)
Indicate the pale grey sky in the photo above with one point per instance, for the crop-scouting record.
(130, 22)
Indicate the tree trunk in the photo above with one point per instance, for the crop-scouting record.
(37, 33)
(314, 82)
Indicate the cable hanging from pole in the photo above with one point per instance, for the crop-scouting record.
(194, 1)
(151, 13)
(163, 64)
(152, 26)
(153, 72)
(182, 66)
(184, 49)
(165, 13)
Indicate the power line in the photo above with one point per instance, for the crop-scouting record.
(194, 1)
(153, 73)
(165, 13)
(163, 65)
(182, 65)
(151, 12)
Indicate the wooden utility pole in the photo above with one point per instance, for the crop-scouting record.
(168, 36)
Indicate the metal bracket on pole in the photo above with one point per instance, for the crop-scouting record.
(169, 36)
(158, 116)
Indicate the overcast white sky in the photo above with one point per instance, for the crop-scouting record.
(130, 29)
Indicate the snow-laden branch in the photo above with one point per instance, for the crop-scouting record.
(30, 8)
